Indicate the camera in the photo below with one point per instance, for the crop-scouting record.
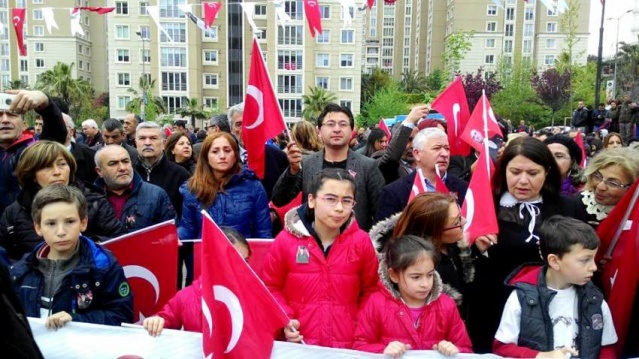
(5, 101)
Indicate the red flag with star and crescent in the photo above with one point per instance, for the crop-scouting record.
(262, 117)
(482, 122)
(18, 24)
(240, 317)
(478, 207)
(313, 17)
(453, 105)
(210, 11)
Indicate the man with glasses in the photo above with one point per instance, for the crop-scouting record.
(219, 123)
(335, 125)
(12, 139)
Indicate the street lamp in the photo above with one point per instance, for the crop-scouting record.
(614, 80)
(144, 83)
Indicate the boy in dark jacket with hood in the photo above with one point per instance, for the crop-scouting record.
(555, 309)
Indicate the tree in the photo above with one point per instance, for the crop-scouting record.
(388, 102)
(475, 85)
(436, 80)
(372, 82)
(59, 81)
(553, 88)
(413, 82)
(627, 67)
(456, 45)
(17, 85)
(193, 110)
(154, 104)
(517, 100)
(315, 101)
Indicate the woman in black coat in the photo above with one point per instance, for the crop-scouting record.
(43, 164)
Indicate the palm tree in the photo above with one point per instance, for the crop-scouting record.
(154, 105)
(315, 102)
(193, 110)
(59, 81)
(413, 82)
(628, 66)
(17, 85)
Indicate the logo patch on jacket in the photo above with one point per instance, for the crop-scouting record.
(597, 322)
(124, 289)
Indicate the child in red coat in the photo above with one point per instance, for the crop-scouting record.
(410, 312)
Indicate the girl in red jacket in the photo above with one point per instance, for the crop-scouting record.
(321, 268)
(411, 312)
(184, 310)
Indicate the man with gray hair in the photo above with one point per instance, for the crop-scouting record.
(83, 154)
(113, 134)
(92, 135)
(235, 114)
(218, 123)
(431, 151)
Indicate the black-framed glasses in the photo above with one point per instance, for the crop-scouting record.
(598, 178)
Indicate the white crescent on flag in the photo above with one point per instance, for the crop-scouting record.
(470, 208)
(133, 271)
(232, 303)
(259, 97)
(456, 111)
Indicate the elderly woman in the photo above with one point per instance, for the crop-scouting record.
(609, 175)
(43, 164)
(178, 148)
(231, 194)
(568, 156)
(526, 188)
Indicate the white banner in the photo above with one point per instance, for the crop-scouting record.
(81, 340)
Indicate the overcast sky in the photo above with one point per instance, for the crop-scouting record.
(614, 8)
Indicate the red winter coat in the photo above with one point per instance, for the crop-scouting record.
(325, 294)
(386, 318)
(184, 309)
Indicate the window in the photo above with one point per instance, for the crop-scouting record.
(80, 65)
(550, 43)
(324, 37)
(38, 30)
(260, 10)
(290, 35)
(211, 34)
(4, 65)
(490, 43)
(144, 8)
(36, 1)
(348, 37)
(88, 67)
(509, 30)
(146, 56)
(322, 82)
(346, 84)
(24, 79)
(39, 47)
(39, 63)
(508, 46)
(122, 7)
(145, 32)
(294, 9)
(289, 59)
(549, 60)
(124, 79)
(123, 101)
(122, 32)
(177, 32)
(170, 8)
(527, 47)
(325, 12)
(24, 65)
(122, 55)
(210, 80)
(551, 27)
(4, 49)
(322, 60)
(491, 26)
(80, 49)
(173, 56)
(351, 11)
(346, 103)
(37, 14)
(173, 102)
(492, 10)
(346, 60)
(551, 12)
(490, 59)
(261, 35)
(529, 13)
(289, 84)
(174, 81)
(210, 57)
(210, 102)
(291, 107)
(528, 30)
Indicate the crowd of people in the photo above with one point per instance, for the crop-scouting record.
(355, 263)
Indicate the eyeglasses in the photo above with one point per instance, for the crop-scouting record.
(332, 201)
(332, 124)
(598, 178)
(459, 223)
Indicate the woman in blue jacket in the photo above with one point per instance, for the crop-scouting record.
(232, 195)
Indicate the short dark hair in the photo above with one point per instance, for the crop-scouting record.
(137, 118)
(58, 193)
(111, 124)
(333, 107)
(402, 252)
(334, 174)
(222, 122)
(234, 236)
(558, 234)
(180, 123)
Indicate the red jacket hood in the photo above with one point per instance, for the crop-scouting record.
(525, 274)
(24, 138)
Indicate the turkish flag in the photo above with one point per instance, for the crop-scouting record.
(240, 318)
(259, 250)
(312, 11)
(478, 207)
(210, 11)
(580, 142)
(262, 114)
(382, 126)
(453, 105)
(99, 10)
(481, 119)
(371, 3)
(620, 276)
(18, 24)
(149, 258)
(419, 185)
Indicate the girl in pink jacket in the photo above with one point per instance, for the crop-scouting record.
(184, 310)
(322, 267)
(410, 312)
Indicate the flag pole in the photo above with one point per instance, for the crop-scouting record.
(600, 54)
(622, 224)
(485, 118)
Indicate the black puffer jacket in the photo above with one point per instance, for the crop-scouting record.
(18, 236)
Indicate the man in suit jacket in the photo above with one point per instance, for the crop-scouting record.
(335, 124)
(430, 148)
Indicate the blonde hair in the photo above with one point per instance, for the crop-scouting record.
(623, 157)
(304, 134)
(41, 155)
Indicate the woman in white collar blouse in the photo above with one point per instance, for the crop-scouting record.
(526, 189)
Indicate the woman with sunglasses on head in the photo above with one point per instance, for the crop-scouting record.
(609, 176)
